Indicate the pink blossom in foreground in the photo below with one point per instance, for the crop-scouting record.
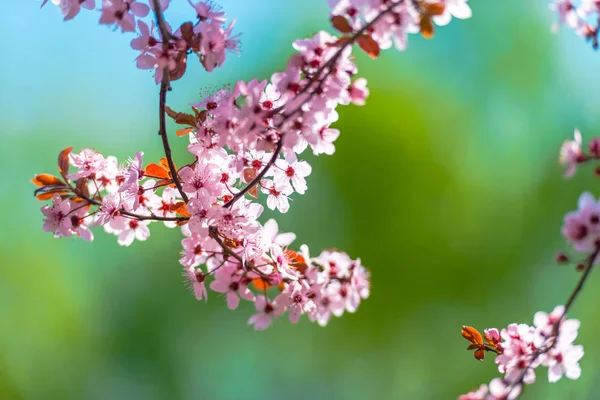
(524, 348)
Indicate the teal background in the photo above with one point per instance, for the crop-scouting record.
(446, 184)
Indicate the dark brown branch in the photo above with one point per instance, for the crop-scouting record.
(164, 87)
(130, 214)
(316, 78)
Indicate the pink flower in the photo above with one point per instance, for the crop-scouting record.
(207, 10)
(122, 13)
(266, 312)
(196, 250)
(582, 227)
(146, 40)
(294, 173)
(570, 154)
(70, 8)
(228, 281)
(202, 176)
(57, 217)
(88, 162)
(479, 394)
(198, 207)
(297, 297)
(564, 360)
(196, 279)
(128, 229)
(109, 209)
(270, 233)
(278, 195)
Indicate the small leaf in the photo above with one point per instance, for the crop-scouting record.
(341, 24)
(179, 208)
(434, 8)
(179, 70)
(156, 171)
(472, 335)
(47, 179)
(261, 284)
(253, 192)
(340, 42)
(480, 354)
(296, 260)
(249, 174)
(426, 27)
(181, 118)
(183, 132)
(187, 31)
(63, 162)
(369, 45)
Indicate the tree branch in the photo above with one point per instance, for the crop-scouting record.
(316, 78)
(164, 87)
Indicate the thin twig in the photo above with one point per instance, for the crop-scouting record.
(586, 273)
(164, 87)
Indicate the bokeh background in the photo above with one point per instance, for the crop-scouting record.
(446, 184)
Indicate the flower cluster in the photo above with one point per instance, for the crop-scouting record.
(209, 37)
(582, 16)
(245, 258)
(522, 348)
(245, 144)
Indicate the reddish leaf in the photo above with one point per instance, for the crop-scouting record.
(187, 31)
(341, 24)
(341, 41)
(296, 260)
(184, 131)
(179, 70)
(480, 354)
(46, 179)
(181, 118)
(426, 27)
(179, 208)
(472, 335)
(157, 171)
(369, 45)
(63, 162)
(261, 284)
(249, 174)
(253, 192)
(434, 8)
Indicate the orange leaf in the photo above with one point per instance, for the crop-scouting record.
(179, 208)
(296, 260)
(369, 45)
(341, 24)
(63, 162)
(157, 171)
(45, 196)
(434, 8)
(426, 27)
(253, 192)
(46, 179)
(260, 284)
(181, 118)
(163, 161)
(249, 174)
(480, 354)
(183, 132)
(472, 335)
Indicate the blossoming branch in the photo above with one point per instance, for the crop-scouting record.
(245, 144)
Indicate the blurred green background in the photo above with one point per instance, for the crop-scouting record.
(446, 184)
